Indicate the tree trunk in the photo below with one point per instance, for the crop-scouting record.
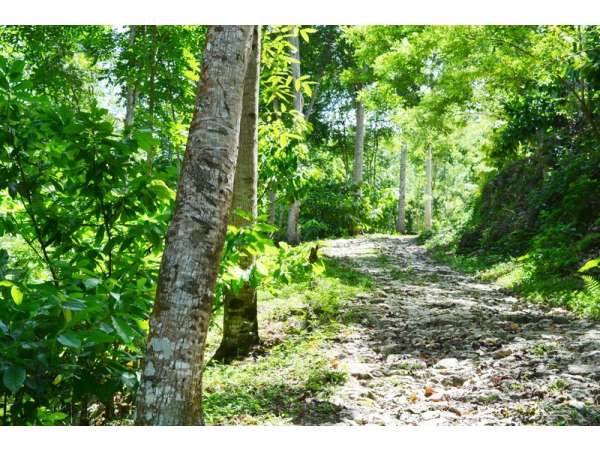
(401, 224)
(240, 323)
(359, 143)
(170, 390)
(272, 205)
(293, 230)
(152, 94)
(295, 66)
(428, 192)
(131, 85)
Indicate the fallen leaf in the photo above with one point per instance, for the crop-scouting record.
(413, 398)
(334, 364)
(429, 391)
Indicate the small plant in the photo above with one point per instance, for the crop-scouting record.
(540, 350)
(559, 385)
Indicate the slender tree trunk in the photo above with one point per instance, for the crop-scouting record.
(170, 390)
(240, 323)
(152, 93)
(375, 154)
(295, 66)
(401, 224)
(272, 205)
(131, 85)
(428, 192)
(359, 144)
(293, 230)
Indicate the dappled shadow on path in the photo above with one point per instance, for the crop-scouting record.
(438, 347)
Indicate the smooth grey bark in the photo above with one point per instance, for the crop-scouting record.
(359, 145)
(401, 223)
(170, 390)
(131, 87)
(240, 323)
(295, 66)
(428, 191)
(293, 230)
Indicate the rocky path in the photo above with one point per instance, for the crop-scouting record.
(435, 347)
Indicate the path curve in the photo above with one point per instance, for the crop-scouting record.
(436, 347)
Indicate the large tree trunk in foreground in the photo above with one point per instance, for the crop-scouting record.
(240, 323)
(428, 192)
(359, 145)
(171, 386)
(293, 230)
(401, 223)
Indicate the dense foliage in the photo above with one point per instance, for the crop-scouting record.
(93, 123)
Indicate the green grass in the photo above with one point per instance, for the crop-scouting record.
(292, 377)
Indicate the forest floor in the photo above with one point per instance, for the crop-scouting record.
(420, 344)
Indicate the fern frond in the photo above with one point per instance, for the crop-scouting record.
(592, 286)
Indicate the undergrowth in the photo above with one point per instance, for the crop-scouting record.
(290, 378)
(524, 275)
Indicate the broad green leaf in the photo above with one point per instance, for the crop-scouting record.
(74, 304)
(16, 294)
(91, 283)
(69, 339)
(163, 191)
(589, 265)
(123, 329)
(14, 378)
(145, 140)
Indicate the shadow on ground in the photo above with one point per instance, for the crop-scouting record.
(492, 358)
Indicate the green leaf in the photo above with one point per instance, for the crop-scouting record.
(6, 283)
(123, 329)
(91, 283)
(69, 339)
(16, 294)
(3, 328)
(160, 188)
(74, 305)
(14, 378)
(145, 140)
(589, 265)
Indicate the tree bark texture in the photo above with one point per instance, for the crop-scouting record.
(428, 191)
(401, 224)
(293, 230)
(359, 144)
(170, 391)
(240, 323)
